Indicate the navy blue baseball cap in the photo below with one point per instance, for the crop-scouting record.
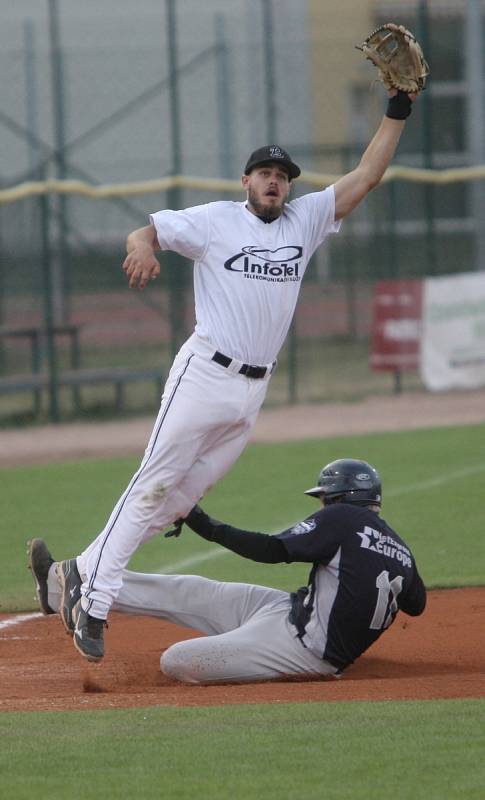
(272, 153)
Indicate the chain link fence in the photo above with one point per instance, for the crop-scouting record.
(183, 88)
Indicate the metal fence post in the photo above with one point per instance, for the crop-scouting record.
(50, 343)
(427, 144)
(59, 258)
(3, 360)
(175, 262)
(475, 81)
(268, 60)
(223, 82)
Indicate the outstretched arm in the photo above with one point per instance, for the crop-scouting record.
(140, 265)
(353, 187)
(257, 546)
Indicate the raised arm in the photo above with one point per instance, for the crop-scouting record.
(140, 265)
(353, 187)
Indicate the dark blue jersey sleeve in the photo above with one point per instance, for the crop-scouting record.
(315, 538)
(414, 600)
(250, 544)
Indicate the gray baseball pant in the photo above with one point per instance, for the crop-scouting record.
(249, 637)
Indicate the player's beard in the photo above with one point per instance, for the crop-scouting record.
(270, 212)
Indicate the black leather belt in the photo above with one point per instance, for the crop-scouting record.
(246, 369)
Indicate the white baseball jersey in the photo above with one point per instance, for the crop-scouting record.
(247, 277)
(247, 273)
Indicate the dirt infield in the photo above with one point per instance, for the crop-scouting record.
(407, 411)
(437, 655)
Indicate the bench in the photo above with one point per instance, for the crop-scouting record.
(35, 336)
(117, 376)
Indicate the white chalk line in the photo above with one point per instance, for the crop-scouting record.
(198, 558)
(440, 480)
(18, 619)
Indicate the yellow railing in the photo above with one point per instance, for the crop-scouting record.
(53, 186)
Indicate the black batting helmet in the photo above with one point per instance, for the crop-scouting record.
(350, 481)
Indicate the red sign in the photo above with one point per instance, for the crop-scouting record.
(396, 325)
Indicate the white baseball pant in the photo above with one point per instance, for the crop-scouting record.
(205, 419)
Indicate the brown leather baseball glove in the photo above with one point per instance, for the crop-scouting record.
(398, 58)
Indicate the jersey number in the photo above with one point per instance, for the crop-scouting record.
(386, 604)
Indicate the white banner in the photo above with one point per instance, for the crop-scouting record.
(453, 333)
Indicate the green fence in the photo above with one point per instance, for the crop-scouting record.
(76, 341)
(169, 88)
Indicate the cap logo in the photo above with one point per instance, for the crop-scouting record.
(276, 152)
(362, 476)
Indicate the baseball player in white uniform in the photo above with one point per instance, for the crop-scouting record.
(362, 574)
(249, 260)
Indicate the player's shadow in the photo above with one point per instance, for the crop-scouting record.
(374, 668)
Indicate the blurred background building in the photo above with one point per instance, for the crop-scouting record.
(117, 92)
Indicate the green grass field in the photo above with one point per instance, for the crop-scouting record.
(433, 495)
(339, 751)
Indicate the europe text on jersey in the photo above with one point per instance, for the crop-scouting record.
(378, 542)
